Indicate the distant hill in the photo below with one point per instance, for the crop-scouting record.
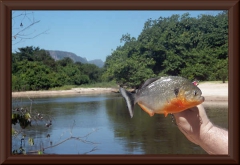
(97, 62)
(58, 55)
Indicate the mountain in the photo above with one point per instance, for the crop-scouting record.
(58, 55)
(97, 62)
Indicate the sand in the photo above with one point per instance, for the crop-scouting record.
(214, 91)
(211, 91)
(73, 91)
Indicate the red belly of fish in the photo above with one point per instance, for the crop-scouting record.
(175, 105)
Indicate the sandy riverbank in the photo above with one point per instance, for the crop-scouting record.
(73, 91)
(214, 91)
(211, 92)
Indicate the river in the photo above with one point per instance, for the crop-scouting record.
(101, 124)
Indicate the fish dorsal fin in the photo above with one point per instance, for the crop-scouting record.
(147, 82)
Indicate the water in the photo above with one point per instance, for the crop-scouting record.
(106, 121)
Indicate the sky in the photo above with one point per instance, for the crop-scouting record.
(89, 34)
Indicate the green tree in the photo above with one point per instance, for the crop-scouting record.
(92, 71)
(222, 70)
(31, 76)
(65, 61)
(131, 71)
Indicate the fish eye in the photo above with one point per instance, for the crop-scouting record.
(176, 91)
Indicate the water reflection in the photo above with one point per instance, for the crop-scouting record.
(116, 133)
(153, 135)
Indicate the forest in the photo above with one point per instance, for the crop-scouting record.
(195, 48)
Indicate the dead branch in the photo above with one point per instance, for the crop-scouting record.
(76, 138)
(21, 35)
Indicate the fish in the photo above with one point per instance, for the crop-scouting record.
(164, 95)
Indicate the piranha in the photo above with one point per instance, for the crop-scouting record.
(170, 94)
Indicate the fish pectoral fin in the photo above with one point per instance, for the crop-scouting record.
(165, 113)
(149, 111)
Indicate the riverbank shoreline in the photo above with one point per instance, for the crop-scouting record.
(73, 91)
(211, 91)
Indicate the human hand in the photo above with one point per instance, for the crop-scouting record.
(196, 126)
(193, 123)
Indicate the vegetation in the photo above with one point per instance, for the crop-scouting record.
(34, 69)
(195, 48)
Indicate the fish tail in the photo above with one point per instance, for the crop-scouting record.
(129, 98)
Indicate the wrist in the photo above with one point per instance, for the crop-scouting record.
(205, 132)
(214, 140)
(201, 133)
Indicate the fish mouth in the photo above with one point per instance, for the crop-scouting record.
(202, 99)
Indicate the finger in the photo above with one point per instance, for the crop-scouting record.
(188, 136)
